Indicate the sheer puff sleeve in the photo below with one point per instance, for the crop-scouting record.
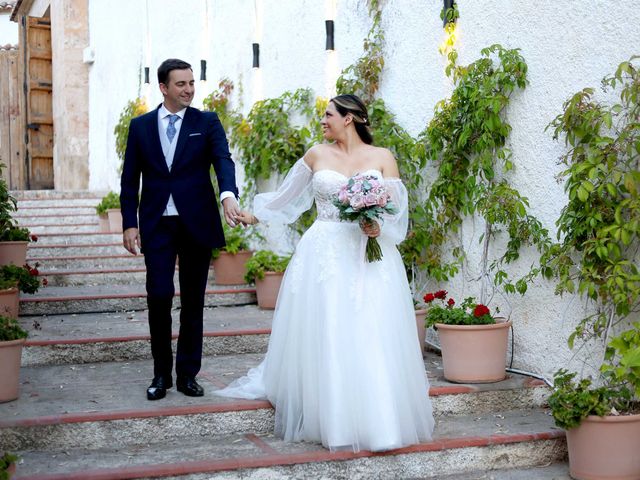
(395, 226)
(292, 199)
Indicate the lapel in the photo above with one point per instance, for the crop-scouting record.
(188, 126)
(152, 128)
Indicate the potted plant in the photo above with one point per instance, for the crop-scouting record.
(266, 269)
(12, 338)
(109, 214)
(596, 257)
(473, 341)
(14, 279)
(13, 239)
(7, 465)
(229, 261)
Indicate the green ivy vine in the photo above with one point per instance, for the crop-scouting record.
(132, 109)
(599, 229)
(466, 140)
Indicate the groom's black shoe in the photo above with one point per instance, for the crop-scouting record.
(189, 387)
(158, 387)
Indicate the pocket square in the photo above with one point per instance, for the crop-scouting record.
(194, 134)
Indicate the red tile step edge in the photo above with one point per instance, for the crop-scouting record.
(125, 295)
(227, 406)
(272, 458)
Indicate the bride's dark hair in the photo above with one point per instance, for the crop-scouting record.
(351, 104)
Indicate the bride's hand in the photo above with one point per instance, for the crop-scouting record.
(370, 229)
(246, 218)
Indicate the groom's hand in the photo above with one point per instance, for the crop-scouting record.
(231, 211)
(131, 240)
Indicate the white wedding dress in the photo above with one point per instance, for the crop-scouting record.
(343, 365)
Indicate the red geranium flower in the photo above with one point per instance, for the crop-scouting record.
(34, 238)
(429, 297)
(451, 302)
(480, 310)
(45, 282)
(441, 294)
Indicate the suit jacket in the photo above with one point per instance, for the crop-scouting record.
(200, 144)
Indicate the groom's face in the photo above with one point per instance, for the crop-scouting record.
(179, 89)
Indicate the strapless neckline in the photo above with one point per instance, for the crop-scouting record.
(348, 176)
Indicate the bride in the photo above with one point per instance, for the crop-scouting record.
(343, 365)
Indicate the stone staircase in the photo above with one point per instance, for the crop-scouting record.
(83, 414)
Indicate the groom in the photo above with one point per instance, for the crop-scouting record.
(172, 149)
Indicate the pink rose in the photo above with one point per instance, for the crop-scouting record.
(382, 200)
(357, 201)
(370, 199)
(343, 197)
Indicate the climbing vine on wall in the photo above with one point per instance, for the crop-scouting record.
(467, 144)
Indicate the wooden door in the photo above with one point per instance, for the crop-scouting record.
(12, 121)
(38, 96)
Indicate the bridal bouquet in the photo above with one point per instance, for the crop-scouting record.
(365, 199)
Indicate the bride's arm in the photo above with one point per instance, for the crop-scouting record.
(290, 200)
(395, 226)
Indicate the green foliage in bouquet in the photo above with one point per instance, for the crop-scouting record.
(109, 201)
(10, 330)
(25, 278)
(469, 312)
(265, 261)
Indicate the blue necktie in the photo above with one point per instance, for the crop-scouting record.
(171, 129)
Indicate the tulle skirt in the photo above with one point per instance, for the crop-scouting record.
(344, 365)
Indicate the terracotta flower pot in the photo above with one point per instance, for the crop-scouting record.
(13, 253)
(115, 220)
(10, 357)
(422, 330)
(267, 289)
(230, 268)
(605, 448)
(9, 302)
(103, 222)
(474, 353)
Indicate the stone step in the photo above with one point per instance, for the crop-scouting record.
(461, 444)
(45, 212)
(62, 406)
(75, 238)
(32, 221)
(74, 262)
(553, 471)
(124, 336)
(41, 249)
(54, 300)
(63, 229)
(128, 275)
(40, 195)
(58, 203)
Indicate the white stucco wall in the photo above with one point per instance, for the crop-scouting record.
(567, 46)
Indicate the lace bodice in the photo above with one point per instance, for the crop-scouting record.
(326, 184)
(301, 187)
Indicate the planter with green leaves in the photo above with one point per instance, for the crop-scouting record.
(12, 338)
(229, 261)
(266, 269)
(473, 341)
(109, 214)
(7, 465)
(13, 280)
(13, 238)
(597, 258)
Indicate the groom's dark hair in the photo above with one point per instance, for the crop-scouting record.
(171, 64)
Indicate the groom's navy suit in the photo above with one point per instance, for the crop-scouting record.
(189, 236)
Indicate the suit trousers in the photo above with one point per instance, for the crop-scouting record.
(172, 240)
